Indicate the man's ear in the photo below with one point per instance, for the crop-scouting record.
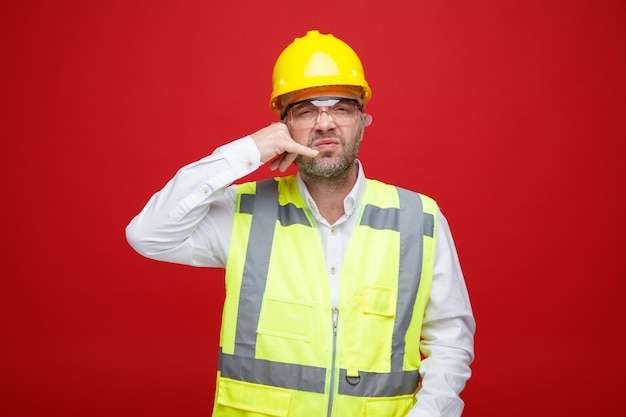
(367, 120)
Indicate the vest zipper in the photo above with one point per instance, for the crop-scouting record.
(332, 367)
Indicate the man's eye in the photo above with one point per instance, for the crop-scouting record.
(305, 112)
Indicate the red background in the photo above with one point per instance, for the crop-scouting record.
(509, 113)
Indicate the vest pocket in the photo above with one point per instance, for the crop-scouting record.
(389, 407)
(379, 300)
(243, 399)
(286, 318)
(369, 321)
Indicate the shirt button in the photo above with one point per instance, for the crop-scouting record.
(333, 231)
(249, 165)
(333, 270)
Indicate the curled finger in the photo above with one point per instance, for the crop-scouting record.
(286, 160)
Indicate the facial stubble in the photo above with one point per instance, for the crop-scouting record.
(321, 168)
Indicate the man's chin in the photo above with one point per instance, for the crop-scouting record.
(327, 168)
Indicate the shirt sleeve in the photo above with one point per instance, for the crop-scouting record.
(189, 221)
(447, 335)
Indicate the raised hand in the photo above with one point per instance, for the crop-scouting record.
(275, 140)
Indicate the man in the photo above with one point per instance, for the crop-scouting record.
(344, 295)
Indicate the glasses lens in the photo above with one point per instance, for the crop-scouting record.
(307, 114)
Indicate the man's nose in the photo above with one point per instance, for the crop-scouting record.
(324, 120)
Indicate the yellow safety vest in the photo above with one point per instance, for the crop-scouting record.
(281, 353)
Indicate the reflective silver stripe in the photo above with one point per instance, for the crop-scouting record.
(410, 221)
(277, 374)
(410, 271)
(311, 379)
(379, 385)
(254, 277)
(264, 208)
(429, 225)
(387, 219)
(246, 203)
(290, 214)
(380, 218)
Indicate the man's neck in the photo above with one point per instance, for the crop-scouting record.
(329, 193)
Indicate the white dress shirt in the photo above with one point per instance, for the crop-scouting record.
(189, 222)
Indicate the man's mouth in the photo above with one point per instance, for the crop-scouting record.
(325, 143)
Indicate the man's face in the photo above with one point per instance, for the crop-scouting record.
(337, 140)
